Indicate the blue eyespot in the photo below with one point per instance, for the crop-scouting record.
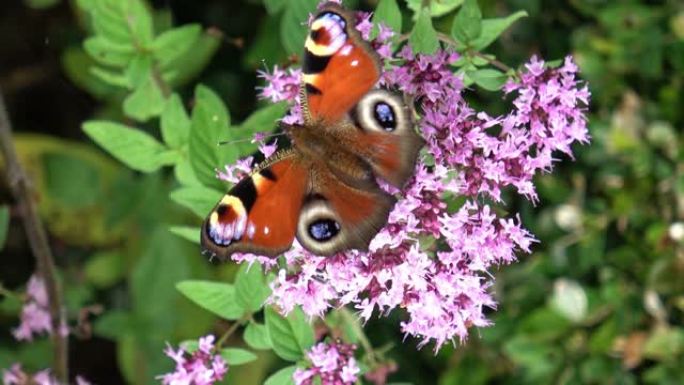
(324, 229)
(384, 115)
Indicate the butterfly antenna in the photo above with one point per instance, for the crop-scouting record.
(223, 142)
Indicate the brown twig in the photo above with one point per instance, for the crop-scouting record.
(22, 192)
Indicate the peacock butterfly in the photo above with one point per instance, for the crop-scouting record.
(323, 190)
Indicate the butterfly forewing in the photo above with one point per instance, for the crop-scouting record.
(339, 66)
(259, 214)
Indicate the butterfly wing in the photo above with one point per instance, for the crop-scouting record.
(339, 66)
(259, 214)
(336, 216)
(384, 136)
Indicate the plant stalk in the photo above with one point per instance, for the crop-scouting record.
(22, 191)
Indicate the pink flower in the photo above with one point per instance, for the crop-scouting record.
(332, 363)
(35, 315)
(201, 367)
(280, 84)
(82, 381)
(236, 172)
(266, 149)
(16, 376)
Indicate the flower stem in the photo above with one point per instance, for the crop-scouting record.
(231, 330)
(23, 194)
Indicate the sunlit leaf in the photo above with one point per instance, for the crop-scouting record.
(423, 37)
(236, 356)
(291, 336)
(135, 148)
(217, 297)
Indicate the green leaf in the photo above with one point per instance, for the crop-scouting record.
(112, 78)
(154, 277)
(235, 356)
(108, 52)
(189, 233)
(188, 65)
(293, 28)
(175, 123)
(274, 6)
(174, 43)
(199, 199)
(139, 20)
(74, 60)
(437, 8)
(467, 24)
(103, 269)
(136, 149)
(218, 298)
(256, 336)
(185, 174)
(423, 38)
(108, 22)
(489, 79)
(291, 336)
(250, 287)
(282, 377)
(72, 181)
(493, 28)
(388, 12)
(147, 101)
(4, 225)
(139, 70)
(210, 121)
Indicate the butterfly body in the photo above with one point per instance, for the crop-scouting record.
(324, 190)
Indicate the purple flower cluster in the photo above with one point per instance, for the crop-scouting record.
(35, 315)
(331, 363)
(283, 85)
(430, 259)
(201, 367)
(15, 375)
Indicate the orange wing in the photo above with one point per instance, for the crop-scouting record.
(259, 214)
(339, 66)
(336, 216)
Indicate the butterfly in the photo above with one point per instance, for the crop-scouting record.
(323, 189)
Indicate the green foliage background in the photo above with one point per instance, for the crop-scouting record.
(123, 224)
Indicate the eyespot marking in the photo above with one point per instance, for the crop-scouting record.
(323, 229)
(385, 116)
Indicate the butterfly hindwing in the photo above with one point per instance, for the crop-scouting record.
(259, 214)
(339, 66)
(336, 216)
(385, 137)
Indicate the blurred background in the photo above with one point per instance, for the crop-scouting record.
(600, 301)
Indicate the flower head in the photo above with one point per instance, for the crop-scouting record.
(331, 363)
(200, 367)
(35, 315)
(15, 375)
